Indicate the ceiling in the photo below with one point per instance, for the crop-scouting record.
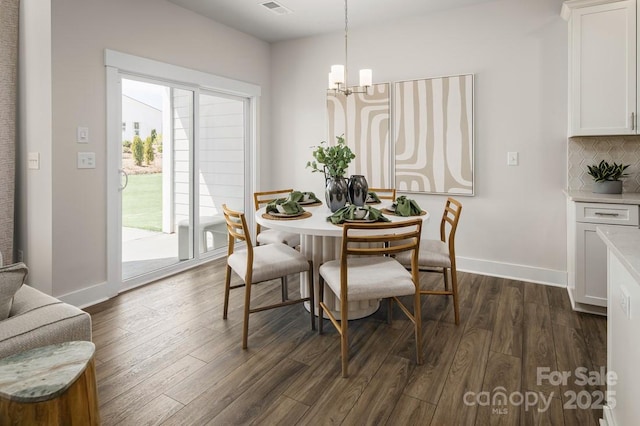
(311, 17)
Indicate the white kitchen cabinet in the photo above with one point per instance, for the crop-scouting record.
(602, 67)
(623, 322)
(588, 254)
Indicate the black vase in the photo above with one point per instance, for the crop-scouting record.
(358, 190)
(336, 193)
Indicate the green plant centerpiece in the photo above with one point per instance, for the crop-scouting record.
(607, 177)
(333, 161)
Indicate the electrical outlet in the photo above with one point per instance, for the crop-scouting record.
(20, 256)
(86, 160)
(625, 301)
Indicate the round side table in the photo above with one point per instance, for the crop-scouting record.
(51, 385)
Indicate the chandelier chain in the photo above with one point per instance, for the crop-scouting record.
(346, 49)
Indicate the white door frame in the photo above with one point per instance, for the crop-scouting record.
(117, 63)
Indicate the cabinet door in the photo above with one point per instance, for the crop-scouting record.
(602, 69)
(591, 266)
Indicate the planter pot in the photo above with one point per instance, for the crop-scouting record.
(608, 187)
(336, 193)
(358, 190)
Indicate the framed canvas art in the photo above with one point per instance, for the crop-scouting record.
(433, 135)
(363, 118)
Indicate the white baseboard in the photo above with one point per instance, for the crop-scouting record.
(100, 292)
(88, 296)
(584, 307)
(511, 271)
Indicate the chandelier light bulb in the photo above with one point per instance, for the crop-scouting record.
(337, 71)
(366, 77)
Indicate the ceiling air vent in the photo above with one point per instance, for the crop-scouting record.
(276, 8)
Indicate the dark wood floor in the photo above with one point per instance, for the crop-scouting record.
(165, 356)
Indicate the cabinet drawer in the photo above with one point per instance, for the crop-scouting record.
(618, 214)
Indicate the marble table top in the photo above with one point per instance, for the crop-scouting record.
(44, 373)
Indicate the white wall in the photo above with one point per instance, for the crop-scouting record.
(154, 29)
(34, 187)
(515, 225)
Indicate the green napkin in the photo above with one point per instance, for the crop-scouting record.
(289, 206)
(348, 212)
(372, 197)
(407, 207)
(297, 196)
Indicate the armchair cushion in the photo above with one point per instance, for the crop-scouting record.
(37, 319)
(11, 279)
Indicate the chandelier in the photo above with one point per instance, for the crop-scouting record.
(338, 75)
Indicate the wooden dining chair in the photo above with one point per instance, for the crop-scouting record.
(259, 264)
(366, 271)
(440, 255)
(269, 236)
(385, 193)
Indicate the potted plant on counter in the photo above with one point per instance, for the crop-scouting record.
(334, 160)
(607, 177)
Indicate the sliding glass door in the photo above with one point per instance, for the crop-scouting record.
(182, 157)
(180, 145)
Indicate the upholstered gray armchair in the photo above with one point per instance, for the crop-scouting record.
(37, 319)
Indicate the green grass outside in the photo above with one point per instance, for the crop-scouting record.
(142, 202)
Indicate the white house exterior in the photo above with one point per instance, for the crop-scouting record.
(139, 119)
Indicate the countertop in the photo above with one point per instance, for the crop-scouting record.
(624, 242)
(590, 197)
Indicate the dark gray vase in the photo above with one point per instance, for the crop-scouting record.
(608, 187)
(358, 190)
(336, 193)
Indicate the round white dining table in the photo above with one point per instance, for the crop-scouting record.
(320, 241)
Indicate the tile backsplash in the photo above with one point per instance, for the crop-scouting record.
(584, 151)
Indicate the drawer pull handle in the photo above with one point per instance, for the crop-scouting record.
(607, 214)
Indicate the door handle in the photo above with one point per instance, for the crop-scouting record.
(126, 180)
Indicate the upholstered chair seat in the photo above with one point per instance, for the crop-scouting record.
(392, 278)
(433, 253)
(269, 262)
(271, 236)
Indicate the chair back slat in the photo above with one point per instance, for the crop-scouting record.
(378, 235)
(451, 216)
(237, 228)
(385, 193)
(265, 197)
(262, 198)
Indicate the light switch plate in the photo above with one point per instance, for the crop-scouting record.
(625, 301)
(512, 158)
(33, 160)
(86, 160)
(82, 135)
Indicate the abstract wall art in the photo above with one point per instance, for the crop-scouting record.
(363, 118)
(433, 135)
